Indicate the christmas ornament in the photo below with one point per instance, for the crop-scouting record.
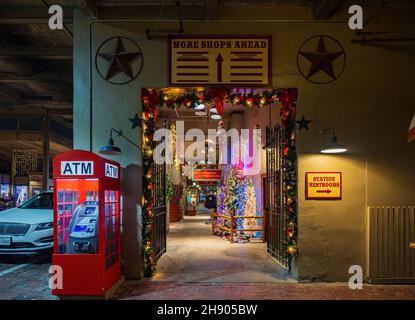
(187, 171)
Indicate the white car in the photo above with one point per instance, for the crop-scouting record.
(28, 229)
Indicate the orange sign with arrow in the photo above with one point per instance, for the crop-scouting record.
(323, 185)
(202, 60)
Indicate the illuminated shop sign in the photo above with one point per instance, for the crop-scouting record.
(220, 60)
(323, 185)
(207, 174)
(77, 168)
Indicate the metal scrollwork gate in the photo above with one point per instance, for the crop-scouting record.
(276, 216)
(159, 209)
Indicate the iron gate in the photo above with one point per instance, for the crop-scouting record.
(276, 216)
(159, 209)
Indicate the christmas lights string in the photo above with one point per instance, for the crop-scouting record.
(286, 99)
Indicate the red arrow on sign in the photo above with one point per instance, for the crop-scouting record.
(324, 191)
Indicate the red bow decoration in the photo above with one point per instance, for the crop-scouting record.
(219, 95)
(150, 100)
(288, 99)
(146, 99)
(154, 103)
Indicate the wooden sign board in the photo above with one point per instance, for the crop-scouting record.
(220, 60)
(207, 174)
(323, 185)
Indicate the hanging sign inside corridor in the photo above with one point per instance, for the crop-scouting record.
(323, 185)
(220, 60)
(207, 174)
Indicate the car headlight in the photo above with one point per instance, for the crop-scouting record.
(44, 226)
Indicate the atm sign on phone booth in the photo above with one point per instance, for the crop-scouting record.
(87, 239)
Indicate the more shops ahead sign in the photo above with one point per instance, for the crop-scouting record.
(210, 60)
(323, 185)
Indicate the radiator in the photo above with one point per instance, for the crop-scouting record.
(391, 244)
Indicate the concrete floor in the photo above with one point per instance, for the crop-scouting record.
(195, 255)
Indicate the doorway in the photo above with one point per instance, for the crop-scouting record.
(189, 244)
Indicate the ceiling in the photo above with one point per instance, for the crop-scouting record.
(36, 62)
(35, 77)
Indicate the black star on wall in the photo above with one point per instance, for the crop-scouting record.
(120, 61)
(321, 59)
(136, 122)
(303, 123)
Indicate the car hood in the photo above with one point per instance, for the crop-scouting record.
(31, 216)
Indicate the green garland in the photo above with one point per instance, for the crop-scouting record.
(148, 145)
(288, 155)
(286, 98)
(169, 188)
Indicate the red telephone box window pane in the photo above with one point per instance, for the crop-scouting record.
(77, 218)
(112, 227)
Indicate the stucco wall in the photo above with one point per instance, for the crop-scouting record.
(370, 106)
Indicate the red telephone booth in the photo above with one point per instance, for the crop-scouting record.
(87, 240)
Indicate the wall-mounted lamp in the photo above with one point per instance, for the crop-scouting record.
(333, 146)
(110, 148)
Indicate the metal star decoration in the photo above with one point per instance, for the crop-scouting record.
(136, 122)
(303, 123)
(322, 60)
(120, 61)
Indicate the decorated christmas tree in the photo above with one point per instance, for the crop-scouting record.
(222, 210)
(250, 207)
(235, 197)
(234, 191)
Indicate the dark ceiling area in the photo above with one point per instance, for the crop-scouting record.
(36, 62)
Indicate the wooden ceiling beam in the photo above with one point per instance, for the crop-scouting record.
(15, 66)
(9, 94)
(30, 15)
(324, 9)
(88, 7)
(42, 77)
(211, 9)
(44, 53)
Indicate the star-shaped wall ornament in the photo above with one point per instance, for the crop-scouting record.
(303, 123)
(322, 59)
(120, 61)
(136, 122)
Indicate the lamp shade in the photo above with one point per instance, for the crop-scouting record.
(110, 149)
(334, 147)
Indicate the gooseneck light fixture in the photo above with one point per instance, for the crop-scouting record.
(333, 146)
(110, 148)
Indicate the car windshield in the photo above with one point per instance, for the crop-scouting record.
(41, 201)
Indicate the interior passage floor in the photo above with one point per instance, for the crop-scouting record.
(195, 255)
